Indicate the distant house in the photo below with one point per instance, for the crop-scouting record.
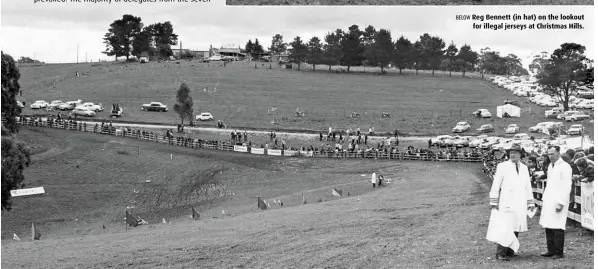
(232, 52)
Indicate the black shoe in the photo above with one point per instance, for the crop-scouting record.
(501, 257)
(547, 254)
(512, 254)
(555, 257)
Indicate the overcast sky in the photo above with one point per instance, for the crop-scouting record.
(53, 30)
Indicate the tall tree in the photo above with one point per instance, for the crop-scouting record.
(514, 67)
(164, 37)
(15, 154)
(184, 103)
(249, 47)
(314, 52)
(352, 48)
(466, 59)
(381, 52)
(298, 51)
(418, 55)
(332, 49)
(257, 47)
(278, 46)
(435, 51)
(539, 62)
(567, 67)
(142, 43)
(403, 54)
(450, 55)
(121, 34)
(10, 90)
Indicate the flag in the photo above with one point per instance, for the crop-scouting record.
(131, 221)
(15, 237)
(261, 204)
(336, 192)
(35, 234)
(194, 214)
(304, 200)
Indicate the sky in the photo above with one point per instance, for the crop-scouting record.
(52, 31)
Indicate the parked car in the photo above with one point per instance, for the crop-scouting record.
(486, 128)
(461, 141)
(143, 60)
(577, 115)
(91, 106)
(553, 113)
(490, 141)
(204, 116)
(512, 128)
(70, 105)
(484, 113)
(55, 104)
(575, 129)
(154, 106)
(503, 143)
(19, 104)
(440, 140)
(461, 127)
(80, 111)
(477, 141)
(39, 104)
(565, 114)
(539, 127)
(586, 104)
(521, 137)
(116, 111)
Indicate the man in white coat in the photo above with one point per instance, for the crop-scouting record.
(511, 195)
(374, 179)
(554, 203)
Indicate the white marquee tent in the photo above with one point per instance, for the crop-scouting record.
(513, 111)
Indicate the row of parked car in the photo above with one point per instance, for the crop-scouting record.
(575, 129)
(583, 98)
(78, 108)
(560, 114)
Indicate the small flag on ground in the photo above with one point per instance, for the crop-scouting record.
(194, 214)
(35, 234)
(304, 200)
(261, 204)
(15, 237)
(131, 221)
(336, 192)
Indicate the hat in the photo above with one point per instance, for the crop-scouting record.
(516, 147)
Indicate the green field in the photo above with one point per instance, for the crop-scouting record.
(432, 215)
(409, 2)
(243, 95)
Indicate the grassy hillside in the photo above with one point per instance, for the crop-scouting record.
(246, 95)
(432, 215)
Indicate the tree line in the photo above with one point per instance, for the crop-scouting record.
(129, 37)
(372, 47)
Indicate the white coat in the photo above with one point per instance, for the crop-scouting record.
(374, 179)
(512, 192)
(558, 187)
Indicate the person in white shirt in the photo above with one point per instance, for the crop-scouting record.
(555, 200)
(511, 193)
(374, 179)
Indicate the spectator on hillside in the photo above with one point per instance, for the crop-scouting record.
(586, 168)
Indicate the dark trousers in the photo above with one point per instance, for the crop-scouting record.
(555, 241)
(505, 251)
(374, 185)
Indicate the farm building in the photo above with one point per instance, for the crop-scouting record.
(196, 53)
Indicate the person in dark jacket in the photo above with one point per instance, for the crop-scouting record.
(586, 169)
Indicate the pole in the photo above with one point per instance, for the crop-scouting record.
(77, 53)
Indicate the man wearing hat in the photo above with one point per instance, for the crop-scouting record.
(511, 195)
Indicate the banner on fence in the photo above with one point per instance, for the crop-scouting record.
(274, 152)
(587, 205)
(291, 153)
(240, 148)
(306, 153)
(257, 151)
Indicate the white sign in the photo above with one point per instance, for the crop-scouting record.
(257, 150)
(587, 205)
(24, 192)
(291, 153)
(306, 153)
(274, 152)
(240, 148)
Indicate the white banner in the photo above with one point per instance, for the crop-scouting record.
(587, 205)
(24, 192)
(306, 153)
(291, 153)
(257, 151)
(275, 152)
(240, 148)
